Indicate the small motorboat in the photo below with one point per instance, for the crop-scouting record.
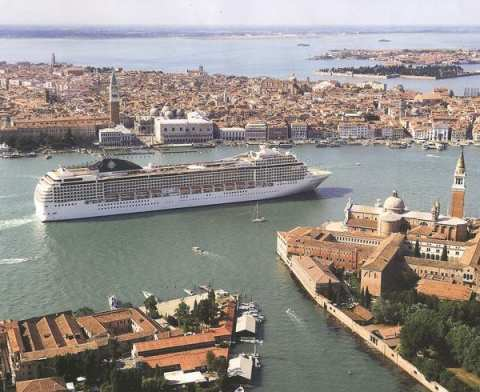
(198, 251)
(113, 302)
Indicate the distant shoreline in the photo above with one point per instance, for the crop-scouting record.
(214, 32)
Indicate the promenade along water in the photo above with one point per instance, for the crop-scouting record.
(53, 267)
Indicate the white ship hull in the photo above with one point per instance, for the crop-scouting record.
(81, 210)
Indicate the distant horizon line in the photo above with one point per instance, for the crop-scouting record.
(448, 25)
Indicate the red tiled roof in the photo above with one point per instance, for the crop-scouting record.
(50, 384)
(444, 290)
(186, 360)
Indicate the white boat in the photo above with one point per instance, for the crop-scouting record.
(428, 146)
(198, 251)
(114, 186)
(205, 288)
(113, 302)
(4, 147)
(251, 340)
(147, 294)
(440, 146)
(258, 218)
(239, 389)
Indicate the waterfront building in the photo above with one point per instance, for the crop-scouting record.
(476, 130)
(298, 131)
(256, 131)
(144, 125)
(314, 274)
(84, 128)
(419, 131)
(386, 241)
(119, 136)
(33, 344)
(277, 131)
(114, 100)
(115, 186)
(440, 132)
(458, 132)
(354, 130)
(393, 133)
(232, 134)
(176, 129)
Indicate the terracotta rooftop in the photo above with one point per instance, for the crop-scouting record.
(444, 290)
(174, 342)
(185, 360)
(50, 384)
(315, 271)
(384, 253)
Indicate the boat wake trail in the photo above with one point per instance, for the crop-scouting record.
(433, 156)
(293, 316)
(11, 223)
(15, 261)
(212, 255)
(10, 196)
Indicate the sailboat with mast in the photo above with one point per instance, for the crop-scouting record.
(258, 218)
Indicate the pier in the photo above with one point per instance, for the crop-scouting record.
(371, 340)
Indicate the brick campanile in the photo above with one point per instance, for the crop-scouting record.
(114, 100)
(457, 203)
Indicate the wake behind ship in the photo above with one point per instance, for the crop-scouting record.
(115, 186)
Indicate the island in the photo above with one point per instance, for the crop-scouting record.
(405, 71)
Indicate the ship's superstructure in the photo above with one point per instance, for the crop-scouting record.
(115, 186)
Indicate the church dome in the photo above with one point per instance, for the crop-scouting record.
(394, 203)
(390, 217)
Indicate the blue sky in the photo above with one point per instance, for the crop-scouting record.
(243, 12)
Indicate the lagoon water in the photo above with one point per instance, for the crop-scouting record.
(65, 265)
(276, 56)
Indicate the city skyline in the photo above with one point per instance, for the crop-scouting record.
(248, 13)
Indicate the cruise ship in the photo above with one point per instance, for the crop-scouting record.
(114, 186)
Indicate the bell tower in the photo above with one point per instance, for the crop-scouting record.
(457, 202)
(114, 100)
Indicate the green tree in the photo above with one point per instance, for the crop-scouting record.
(368, 298)
(106, 387)
(458, 340)
(471, 360)
(444, 256)
(182, 314)
(151, 307)
(210, 360)
(416, 250)
(431, 368)
(422, 331)
(330, 292)
(91, 367)
(212, 305)
(220, 366)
